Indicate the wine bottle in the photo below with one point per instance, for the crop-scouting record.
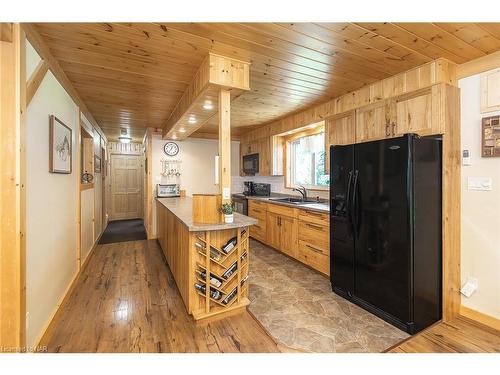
(229, 245)
(215, 294)
(214, 253)
(230, 296)
(233, 267)
(214, 279)
(243, 281)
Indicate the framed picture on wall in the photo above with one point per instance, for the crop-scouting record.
(97, 164)
(60, 151)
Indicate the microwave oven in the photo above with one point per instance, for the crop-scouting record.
(251, 164)
(167, 190)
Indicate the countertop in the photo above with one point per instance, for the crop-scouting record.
(183, 209)
(318, 207)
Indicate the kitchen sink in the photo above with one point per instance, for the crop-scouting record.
(297, 201)
(287, 200)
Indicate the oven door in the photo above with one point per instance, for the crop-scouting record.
(240, 205)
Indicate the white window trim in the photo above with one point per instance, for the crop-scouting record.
(292, 169)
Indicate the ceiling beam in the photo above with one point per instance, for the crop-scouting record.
(199, 101)
(35, 80)
(479, 65)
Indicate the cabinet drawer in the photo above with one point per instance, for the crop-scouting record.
(314, 217)
(253, 203)
(314, 257)
(315, 235)
(282, 210)
(257, 212)
(258, 231)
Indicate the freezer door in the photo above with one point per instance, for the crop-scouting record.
(381, 215)
(341, 239)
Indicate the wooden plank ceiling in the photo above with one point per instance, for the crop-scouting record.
(132, 75)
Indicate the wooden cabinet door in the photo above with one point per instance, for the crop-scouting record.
(273, 230)
(339, 130)
(373, 122)
(264, 157)
(414, 114)
(288, 236)
(490, 91)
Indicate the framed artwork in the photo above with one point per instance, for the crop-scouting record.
(490, 137)
(97, 164)
(60, 152)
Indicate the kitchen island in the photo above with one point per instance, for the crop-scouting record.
(209, 262)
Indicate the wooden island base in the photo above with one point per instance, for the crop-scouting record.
(194, 251)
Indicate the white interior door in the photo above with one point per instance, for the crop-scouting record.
(126, 187)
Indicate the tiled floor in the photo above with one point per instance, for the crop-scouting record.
(298, 308)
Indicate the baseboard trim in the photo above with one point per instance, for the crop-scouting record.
(479, 317)
(66, 294)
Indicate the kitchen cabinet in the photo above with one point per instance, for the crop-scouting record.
(339, 130)
(282, 229)
(314, 240)
(297, 232)
(373, 121)
(417, 112)
(314, 258)
(273, 230)
(263, 148)
(288, 236)
(258, 210)
(490, 91)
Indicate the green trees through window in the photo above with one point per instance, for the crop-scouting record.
(308, 161)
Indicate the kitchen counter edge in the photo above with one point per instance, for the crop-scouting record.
(182, 208)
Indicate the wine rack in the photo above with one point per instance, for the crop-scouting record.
(220, 278)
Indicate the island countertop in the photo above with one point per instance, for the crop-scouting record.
(182, 208)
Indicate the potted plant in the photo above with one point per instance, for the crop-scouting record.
(227, 209)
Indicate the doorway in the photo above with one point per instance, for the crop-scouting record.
(126, 187)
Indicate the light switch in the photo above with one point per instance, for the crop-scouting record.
(466, 158)
(480, 183)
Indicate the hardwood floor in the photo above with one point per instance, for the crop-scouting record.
(458, 336)
(126, 300)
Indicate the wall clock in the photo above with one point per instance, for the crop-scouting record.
(171, 148)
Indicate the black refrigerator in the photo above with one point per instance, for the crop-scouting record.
(385, 228)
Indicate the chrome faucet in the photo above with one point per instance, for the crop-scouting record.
(302, 190)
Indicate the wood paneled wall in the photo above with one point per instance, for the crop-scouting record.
(438, 71)
(12, 187)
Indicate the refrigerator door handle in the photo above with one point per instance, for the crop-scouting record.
(348, 201)
(354, 205)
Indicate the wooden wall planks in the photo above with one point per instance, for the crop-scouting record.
(135, 73)
(13, 194)
(438, 71)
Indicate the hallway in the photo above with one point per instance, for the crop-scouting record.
(123, 231)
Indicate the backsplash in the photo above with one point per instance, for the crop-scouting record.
(277, 185)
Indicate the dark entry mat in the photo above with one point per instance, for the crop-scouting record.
(124, 230)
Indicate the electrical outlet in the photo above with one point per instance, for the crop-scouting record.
(479, 183)
(470, 287)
